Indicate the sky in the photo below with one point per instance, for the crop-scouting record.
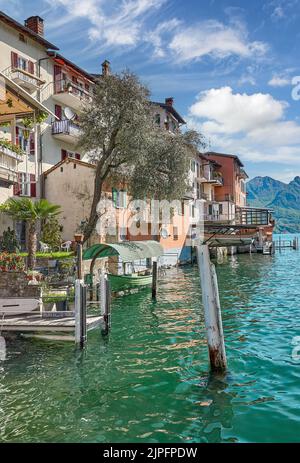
(232, 66)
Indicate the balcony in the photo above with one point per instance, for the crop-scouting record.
(66, 131)
(9, 160)
(28, 81)
(71, 94)
(253, 216)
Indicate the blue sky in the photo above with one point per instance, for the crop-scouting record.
(229, 64)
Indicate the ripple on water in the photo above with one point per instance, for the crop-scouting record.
(149, 380)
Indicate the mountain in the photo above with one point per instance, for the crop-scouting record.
(283, 198)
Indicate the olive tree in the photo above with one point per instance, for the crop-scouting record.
(122, 140)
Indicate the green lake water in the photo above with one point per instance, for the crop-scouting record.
(149, 380)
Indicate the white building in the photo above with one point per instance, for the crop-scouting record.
(28, 60)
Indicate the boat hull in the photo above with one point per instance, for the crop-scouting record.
(121, 282)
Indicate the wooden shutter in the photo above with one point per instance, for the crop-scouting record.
(77, 156)
(30, 67)
(57, 79)
(58, 111)
(32, 186)
(63, 154)
(31, 144)
(17, 136)
(14, 59)
(17, 187)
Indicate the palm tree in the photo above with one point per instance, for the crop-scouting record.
(31, 212)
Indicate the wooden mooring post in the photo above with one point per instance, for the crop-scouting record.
(80, 314)
(212, 310)
(105, 301)
(154, 279)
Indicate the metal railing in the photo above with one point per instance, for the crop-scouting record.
(68, 86)
(253, 216)
(65, 127)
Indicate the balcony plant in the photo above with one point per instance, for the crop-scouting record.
(11, 262)
(11, 146)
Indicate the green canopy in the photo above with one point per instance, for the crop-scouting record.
(127, 250)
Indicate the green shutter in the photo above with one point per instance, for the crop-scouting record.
(114, 196)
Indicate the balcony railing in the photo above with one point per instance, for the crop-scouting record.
(253, 216)
(70, 87)
(65, 127)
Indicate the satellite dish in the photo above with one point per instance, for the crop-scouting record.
(164, 233)
(69, 113)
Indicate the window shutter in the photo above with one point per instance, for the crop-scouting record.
(30, 67)
(32, 186)
(58, 111)
(114, 196)
(14, 59)
(17, 135)
(63, 154)
(77, 156)
(17, 188)
(123, 198)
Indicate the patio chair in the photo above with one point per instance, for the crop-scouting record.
(66, 246)
(44, 247)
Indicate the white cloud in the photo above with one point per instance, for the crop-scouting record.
(251, 125)
(113, 23)
(233, 113)
(213, 38)
(279, 81)
(125, 23)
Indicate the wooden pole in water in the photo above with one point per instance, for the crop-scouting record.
(154, 278)
(212, 310)
(80, 314)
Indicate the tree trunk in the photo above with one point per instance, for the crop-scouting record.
(31, 245)
(91, 225)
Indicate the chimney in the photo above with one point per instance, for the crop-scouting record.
(36, 24)
(105, 68)
(169, 101)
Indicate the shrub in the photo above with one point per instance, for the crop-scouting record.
(11, 262)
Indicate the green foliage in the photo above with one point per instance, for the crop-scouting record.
(28, 210)
(9, 242)
(51, 233)
(118, 128)
(9, 145)
(51, 255)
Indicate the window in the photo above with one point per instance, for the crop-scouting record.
(157, 119)
(22, 38)
(69, 154)
(119, 198)
(193, 166)
(26, 185)
(19, 62)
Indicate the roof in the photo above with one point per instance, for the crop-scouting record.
(67, 161)
(171, 110)
(57, 56)
(127, 250)
(206, 158)
(19, 92)
(25, 30)
(212, 153)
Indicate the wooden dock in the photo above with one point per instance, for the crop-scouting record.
(35, 323)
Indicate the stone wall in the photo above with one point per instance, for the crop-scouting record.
(15, 284)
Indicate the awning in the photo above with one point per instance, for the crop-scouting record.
(127, 250)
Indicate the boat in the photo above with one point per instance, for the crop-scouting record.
(134, 280)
